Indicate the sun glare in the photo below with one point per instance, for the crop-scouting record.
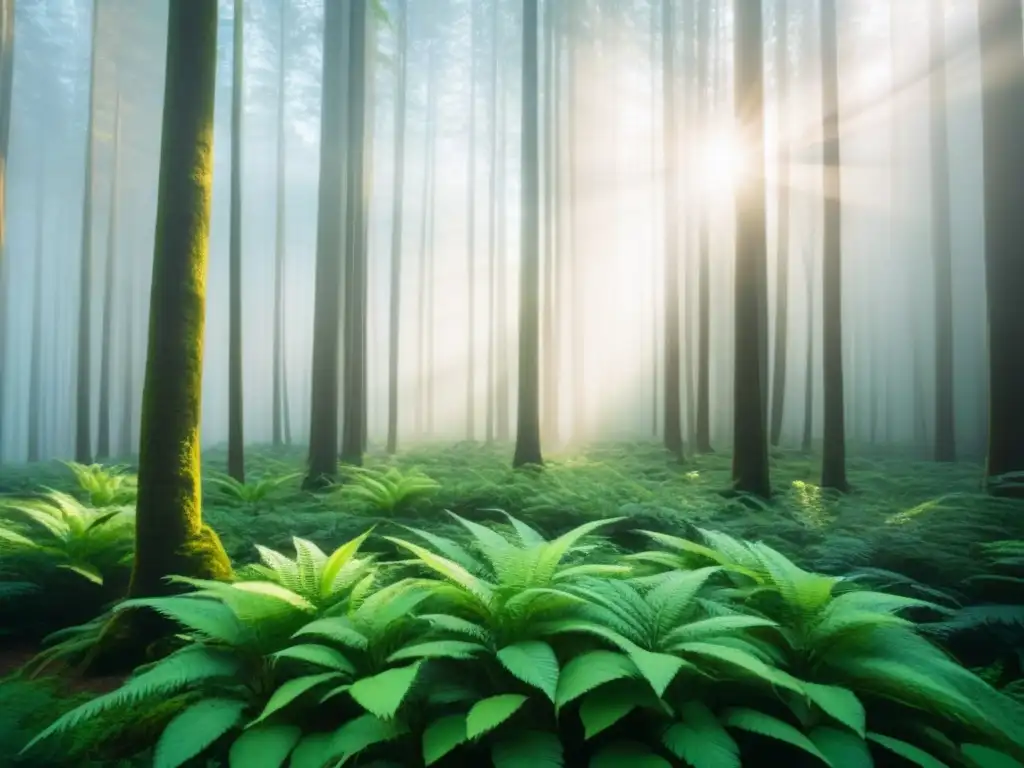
(722, 164)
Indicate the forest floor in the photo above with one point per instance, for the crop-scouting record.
(918, 518)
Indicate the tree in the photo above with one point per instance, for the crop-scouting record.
(281, 420)
(170, 537)
(471, 236)
(353, 434)
(528, 450)
(397, 218)
(6, 91)
(1003, 157)
(673, 429)
(236, 441)
(782, 250)
(323, 430)
(702, 427)
(942, 249)
(107, 331)
(750, 444)
(833, 468)
(35, 410)
(83, 381)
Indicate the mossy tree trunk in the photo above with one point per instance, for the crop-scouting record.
(83, 376)
(782, 249)
(323, 431)
(673, 428)
(750, 472)
(397, 221)
(170, 537)
(942, 249)
(109, 272)
(281, 425)
(1003, 117)
(528, 449)
(236, 439)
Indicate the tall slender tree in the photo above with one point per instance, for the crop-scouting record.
(6, 91)
(782, 248)
(528, 449)
(673, 427)
(83, 379)
(170, 537)
(471, 237)
(1002, 68)
(702, 418)
(281, 425)
(103, 443)
(323, 426)
(397, 219)
(492, 224)
(833, 469)
(236, 439)
(750, 472)
(942, 248)
(35, 394)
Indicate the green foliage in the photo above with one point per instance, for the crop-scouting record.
(110, 486)
(385, 492)
(251, 493)
(706, 652)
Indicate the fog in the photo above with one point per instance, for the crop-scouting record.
(610, 214)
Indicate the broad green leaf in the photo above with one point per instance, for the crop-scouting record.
(700, 740)
(488, 714)
(448, 569)
(438, 649)
(86, 571)
(359, 734)
(589, 671)
(840, 704)
(534, 662)
(442, 736)
(907, 751)
(194, 729)
(746, 662)
(659, 669)
(311, 751)
(457, 625)
(628, 753)
(337, 560)
(383, 694)
(529, 749)
(321, 655)
(603, 708)
(766, 725)
(986, 757)
(338, 629)
(292, 689)
(265, 746)
(843, 748)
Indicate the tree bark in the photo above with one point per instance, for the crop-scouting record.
(750, 444)
(471, 238)
(673, 431)
(397, 219)
(170, 537)
(323, 428)
(280, 407)
(35, 411)
(942, 249)
(1003, 118)
(6, 92)
(782, 250)
(528, 449)
(702, 436)
(107, 347)
(833, 469)
(236, 441)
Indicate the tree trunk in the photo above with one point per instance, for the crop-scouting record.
(426, 225)
(805, 443)
(492, 223)
(942, 251)
(501, 426)
(323, 425)
(236, 445)
(107, 347)
(397, 219)
(352, 440)
(550, 366)
(6, 91)
(528, 449)
(83, 380)
(35, 411)
(280, 406)
(578, 272)
(750, 445)
(471, 238)
(702, 436)
(1003, 117)
(782, 250)
(170, 537)
(653, 297)
(833, 469)
(673, 432)
(127, 447)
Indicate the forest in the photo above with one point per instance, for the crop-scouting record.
(526, 383)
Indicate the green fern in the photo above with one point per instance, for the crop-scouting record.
(386, 492)
(251, 493)
(105, 486)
